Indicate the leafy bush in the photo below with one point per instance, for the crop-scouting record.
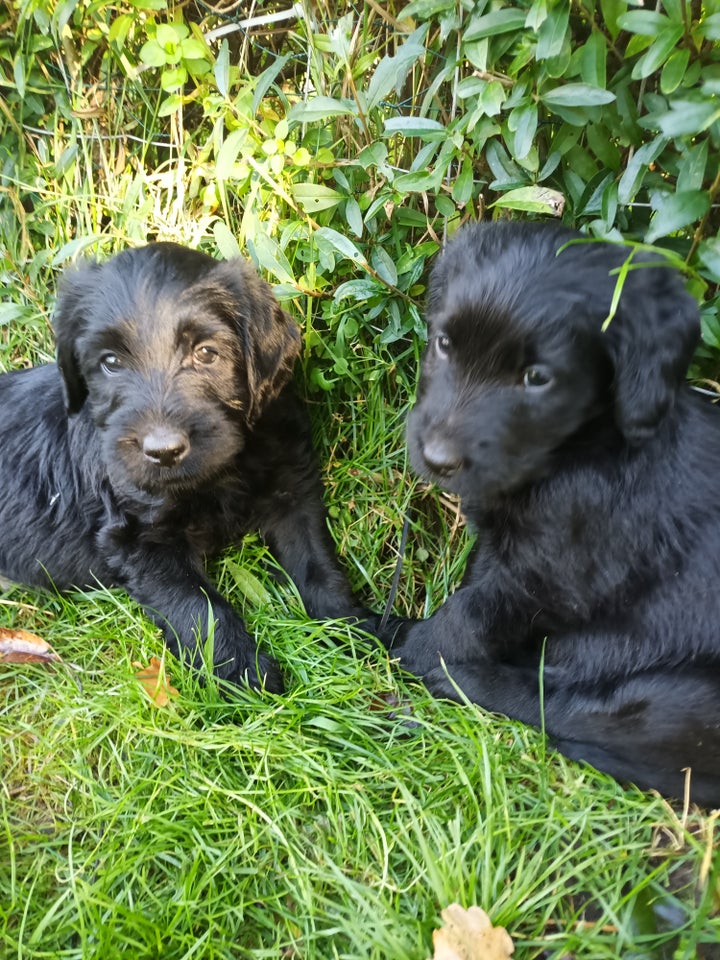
(339, 149)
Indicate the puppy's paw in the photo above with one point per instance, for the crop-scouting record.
(254, 668)
(388, 633)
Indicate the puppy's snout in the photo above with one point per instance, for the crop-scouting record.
(442, 456)
(166, 447)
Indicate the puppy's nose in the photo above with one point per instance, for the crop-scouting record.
(441, 456)
(165, 447)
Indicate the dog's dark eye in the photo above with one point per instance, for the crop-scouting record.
(442, 344)
(205, 354)
(110, 363)
(536, 377)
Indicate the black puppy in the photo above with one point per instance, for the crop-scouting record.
(167, 429)
(590, 470)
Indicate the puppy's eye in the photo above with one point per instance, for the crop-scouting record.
(536, 377)
(442, 345)
(205, 354)
(110, 363)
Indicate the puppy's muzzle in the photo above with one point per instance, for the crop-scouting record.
(165, 447)
(442, 456)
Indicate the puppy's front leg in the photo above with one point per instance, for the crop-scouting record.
(470, 642)
(455, 633)
(167, 581)
(301, 543)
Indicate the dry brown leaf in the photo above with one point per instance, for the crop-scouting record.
(469, 935)
(155, 682)
(21, 646)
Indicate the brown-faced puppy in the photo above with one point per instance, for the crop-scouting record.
(168, 428)
(590, 470)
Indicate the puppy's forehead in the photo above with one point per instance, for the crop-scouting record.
(492, 285)
(146, 294)
(486, 313)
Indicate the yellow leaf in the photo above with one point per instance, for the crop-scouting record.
(20, 646)
(469, 935)
(154, 681)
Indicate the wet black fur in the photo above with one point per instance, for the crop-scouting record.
(595, 497)
(130, 471)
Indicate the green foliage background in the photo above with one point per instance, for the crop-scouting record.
(338, 147)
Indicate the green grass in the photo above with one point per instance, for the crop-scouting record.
(338, 820)
(334, 821)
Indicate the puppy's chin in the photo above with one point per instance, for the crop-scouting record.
(478, 485)
(155, 486)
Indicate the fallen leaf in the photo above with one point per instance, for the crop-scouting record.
(21, 646)
(154, 680)
(469, 935)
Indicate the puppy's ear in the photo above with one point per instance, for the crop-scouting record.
(69, 322)
(271, 339)
(275, 345)
(651, 341)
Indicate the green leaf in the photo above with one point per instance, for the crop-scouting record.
(173, 77)
(319, 108)
(636, 44)
(601, 143)
(74, 247)
(316, 196)
(374, 155)
(19, 74)
(424, 9)
(593, 60)
(338, 243)
(354, 216)
(360, 289)
(152, 54)
(646, 22)
(506, 172)
(673, 211)
(709, 27)
(119, 30)
(523, 121)
(691, 169)
(266, 79)
(390, 73)
(492, 98)
(444, 205)
(197, 68)
(534, 199)
(248, 584)
(171, 34)
(228, 153)
(170, 105)
(417, 182)
(422, 127)
(611, 11)
(658, 52)
(551, 34)
(271, 257)
(192, 49)
(225, 240)
(222, 69)
(504, 20)
(577, 95)
(462, 188)
(536, 14)
(689, 117)
(609, 203)
(674, 70)
(384, 266)
(709, 254)
(16, 312)
(632, 178)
